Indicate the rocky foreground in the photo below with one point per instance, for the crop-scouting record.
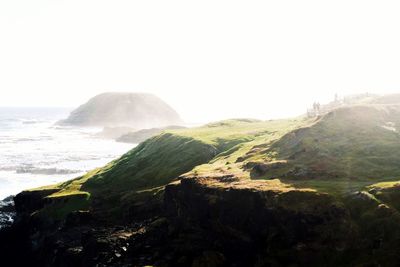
(203, 221)
(214, 221)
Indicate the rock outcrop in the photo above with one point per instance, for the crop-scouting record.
(135, 110)
(258, 223)
(204, 221)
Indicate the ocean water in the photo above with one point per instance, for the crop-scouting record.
(35, 152)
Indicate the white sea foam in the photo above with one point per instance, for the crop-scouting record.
(39, 153)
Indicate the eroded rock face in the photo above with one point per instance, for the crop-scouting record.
(222, 221)
(30, 201)
(257, 223)
(205, 221)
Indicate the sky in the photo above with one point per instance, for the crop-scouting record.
(210, 60)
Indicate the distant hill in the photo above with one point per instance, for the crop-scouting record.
(135, 110)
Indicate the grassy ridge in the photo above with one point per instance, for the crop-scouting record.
(361, 142)
(142, 172)
(344, 151)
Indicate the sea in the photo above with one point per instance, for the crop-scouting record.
(35, 151)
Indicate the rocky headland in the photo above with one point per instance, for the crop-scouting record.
(321, 191)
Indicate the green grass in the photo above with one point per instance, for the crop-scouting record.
(385, 185)
(142, 172)
(337, 187)
(344, 151)
(351, 143)
(259, 134)
(59, 206)
(163, 158)
(388, 192)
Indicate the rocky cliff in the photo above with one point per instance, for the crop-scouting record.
(204, 221)
(226, 221)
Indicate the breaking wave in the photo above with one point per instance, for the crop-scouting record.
(35, 153)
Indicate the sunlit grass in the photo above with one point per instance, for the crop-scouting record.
(342, 152)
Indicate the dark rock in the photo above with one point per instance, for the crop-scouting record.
(216, 221)
(245, 222)
(209, 259)
(77, 218)
(30, 201)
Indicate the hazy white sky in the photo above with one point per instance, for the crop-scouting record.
(208, 59)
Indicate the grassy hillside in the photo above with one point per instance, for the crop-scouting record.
(343, 151)
(340, 152)
(261, 177)
(359, 142)
(356, 142)
(141, 173)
